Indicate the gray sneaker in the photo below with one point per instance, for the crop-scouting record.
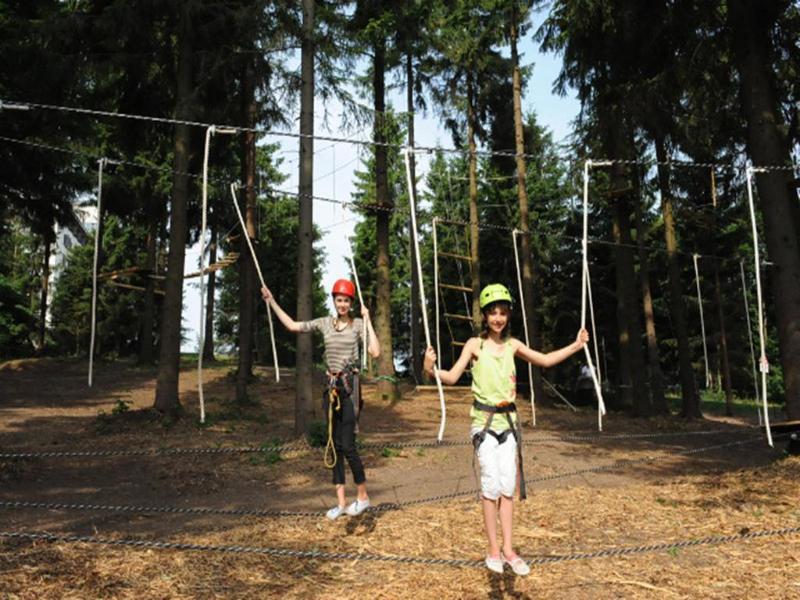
(335, 512)
(357, 507)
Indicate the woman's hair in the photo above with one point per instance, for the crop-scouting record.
(506, 333)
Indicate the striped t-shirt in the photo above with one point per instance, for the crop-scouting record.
(341, 347)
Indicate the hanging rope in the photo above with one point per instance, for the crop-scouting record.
(750, 338)
(412, 202)
(524, 322)
(261, 279)
(364, 330)
(210, 131)
(437, 324)
(100, 164)
(601, 407)
(594, 328)
(763, 364)
(334, 406)
(702, 320)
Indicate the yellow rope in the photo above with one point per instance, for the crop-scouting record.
(334, 405)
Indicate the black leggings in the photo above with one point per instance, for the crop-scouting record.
(344, 440)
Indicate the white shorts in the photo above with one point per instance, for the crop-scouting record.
(498, 464)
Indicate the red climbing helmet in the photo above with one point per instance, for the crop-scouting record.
(344, 287)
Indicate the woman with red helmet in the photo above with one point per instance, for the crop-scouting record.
(342, 397)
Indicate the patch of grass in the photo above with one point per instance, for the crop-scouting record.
(389, 452)
(420, 452)
(234, 411)
(122, 406)
(674, 552)
(268, 454)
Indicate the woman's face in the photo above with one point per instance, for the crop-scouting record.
(497, 318)
(342, 304)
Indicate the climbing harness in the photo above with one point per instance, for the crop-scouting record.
(504, 408)
(346, 382)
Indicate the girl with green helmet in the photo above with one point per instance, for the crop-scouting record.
(495, 431)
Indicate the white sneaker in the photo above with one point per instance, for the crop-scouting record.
(357, 507)
(519, 566)
(335, 513)
(494, 564)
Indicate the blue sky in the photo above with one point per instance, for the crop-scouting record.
(335, 164)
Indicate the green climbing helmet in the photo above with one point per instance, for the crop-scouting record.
(495, 292)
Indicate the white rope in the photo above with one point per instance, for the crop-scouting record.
(750, 338)
(559, 394)
(365, 330)
(100, 164)
(763, 364)
(436, 287)
(261, 279)
(702, 320)
(594, 328)
(524, 322)
(203, 226)
(412, 203)
(601, 407)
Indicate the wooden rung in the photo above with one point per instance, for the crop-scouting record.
(118, 272)
(458, 288)
(456, 256)
(221, 264)
(455, 343)
(618, 192)
(136, 288)
(460, 317)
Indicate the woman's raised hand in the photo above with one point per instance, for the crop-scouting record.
(266, 294)
(364, 312)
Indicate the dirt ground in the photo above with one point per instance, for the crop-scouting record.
(666, 494)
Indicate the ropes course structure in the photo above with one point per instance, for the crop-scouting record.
(593, 360)
(586, 285)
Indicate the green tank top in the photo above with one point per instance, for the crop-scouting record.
(494, 380)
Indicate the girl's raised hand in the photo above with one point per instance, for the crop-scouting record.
(582, 339)
(364, 312)
(429, 360)
(266, 294)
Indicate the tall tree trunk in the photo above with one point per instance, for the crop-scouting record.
(634, 390)
(167, 399)
(208, 338)
(751, 25)
(47, 242)
(247, 272)
(631, 375)
(528, 283)
(416, 319)
(656, 377)
(149, 309)
(304, 403)
(690, 406)
(474, 232)
(387, 388)
(723, 344)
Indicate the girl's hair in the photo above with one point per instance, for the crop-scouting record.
(506, 333)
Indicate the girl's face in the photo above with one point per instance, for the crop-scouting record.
(497, 318)
(342, 304)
